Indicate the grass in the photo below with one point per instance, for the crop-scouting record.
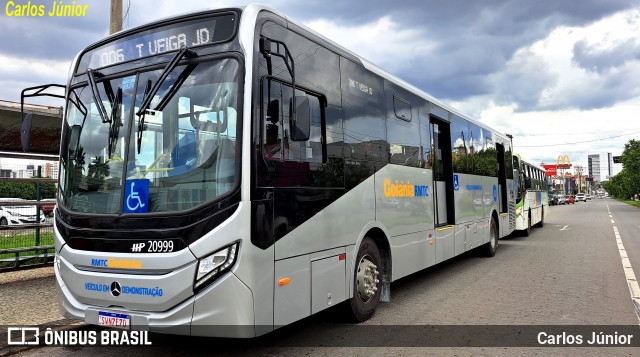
(8, 241)
(630, 202)
(21, 239)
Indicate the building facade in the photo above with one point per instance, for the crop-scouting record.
(17, 168)
(600, 166)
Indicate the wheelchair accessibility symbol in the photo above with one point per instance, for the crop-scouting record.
(136, 196)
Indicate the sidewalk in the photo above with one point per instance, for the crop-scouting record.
(28, 297)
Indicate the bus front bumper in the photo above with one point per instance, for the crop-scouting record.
(223, 309)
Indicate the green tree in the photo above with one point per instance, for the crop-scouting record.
(26, 190)
(627, 183)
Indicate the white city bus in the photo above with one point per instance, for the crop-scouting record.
(228, 172)
(532, 202)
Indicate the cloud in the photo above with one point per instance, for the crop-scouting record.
(15, 78)
(523, 80)
(572, 68)
(52, 37)
(545, 134)
(605, 47)
(602, 60)
(473, 40)
(376, 40)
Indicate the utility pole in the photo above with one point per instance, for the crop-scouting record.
(115, 20)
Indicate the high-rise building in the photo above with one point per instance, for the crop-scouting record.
(601, 167)
(51, 170)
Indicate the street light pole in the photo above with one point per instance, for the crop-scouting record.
(115, 19)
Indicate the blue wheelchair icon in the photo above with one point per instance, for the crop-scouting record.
(136, 196)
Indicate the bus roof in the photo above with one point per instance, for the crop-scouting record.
(519, 156)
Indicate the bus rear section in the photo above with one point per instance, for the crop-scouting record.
(532, 202)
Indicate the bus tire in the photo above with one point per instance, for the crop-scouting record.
(491, 246)
(527, 230)
(541, 223)
(366, 283)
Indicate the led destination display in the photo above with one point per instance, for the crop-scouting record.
(160, 40)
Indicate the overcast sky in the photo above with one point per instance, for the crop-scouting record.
(561, 76)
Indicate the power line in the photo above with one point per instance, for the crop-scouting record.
(577, 142)
(126, 15)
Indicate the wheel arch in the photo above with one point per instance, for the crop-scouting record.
(382, 242)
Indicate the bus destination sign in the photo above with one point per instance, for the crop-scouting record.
(160, 40)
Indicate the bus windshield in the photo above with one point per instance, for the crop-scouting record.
(179, 154)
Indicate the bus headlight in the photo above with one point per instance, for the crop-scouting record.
(212, 266)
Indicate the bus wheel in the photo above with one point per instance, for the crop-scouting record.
(527, 231)
(541, 223)
(491, 246)
(366, 285)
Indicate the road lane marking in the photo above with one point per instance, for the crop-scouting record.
(565, 228)
(612, 221)
(632, 282)
(634, 288)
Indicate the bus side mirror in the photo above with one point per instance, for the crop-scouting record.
(300, 124)
(25, 132)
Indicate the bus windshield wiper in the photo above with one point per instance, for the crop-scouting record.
(149, 94)
(114, 120)
(147, 88)
(96, 96)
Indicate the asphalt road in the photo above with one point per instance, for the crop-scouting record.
(567, 273)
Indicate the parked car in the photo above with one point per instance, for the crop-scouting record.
(581, 197)
(47, 209)
(20, 214)
(561, 199)
(570, 199)
(588, 196)
(553, 200)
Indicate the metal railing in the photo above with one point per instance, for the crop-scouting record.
(26, 245)
(26, 234)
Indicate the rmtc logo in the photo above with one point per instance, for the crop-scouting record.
(99, 262)
(137, 247)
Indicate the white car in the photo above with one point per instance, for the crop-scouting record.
(21, 214)
(581, 197)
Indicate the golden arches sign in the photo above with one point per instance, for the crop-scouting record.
(563, 161)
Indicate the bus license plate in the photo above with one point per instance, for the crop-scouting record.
(111, 319)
